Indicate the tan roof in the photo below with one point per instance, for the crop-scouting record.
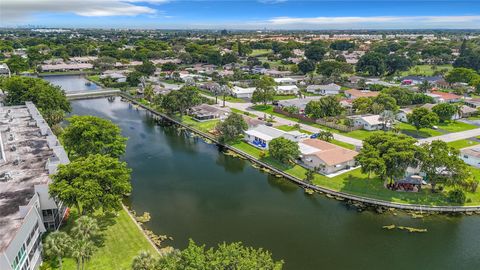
(358, 93)
(329, 153)
(473, 151)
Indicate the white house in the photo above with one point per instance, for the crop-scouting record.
(368, 122)
(287, 89)
(261, 135)
(326, 157)
(4, 70)
(471, 155)
(285, 81)
(243, 92)
(327, 89)
(402, 114)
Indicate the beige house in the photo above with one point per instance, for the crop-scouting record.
(328, 158)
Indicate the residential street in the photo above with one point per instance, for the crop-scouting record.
(282, 121)
(454, 136)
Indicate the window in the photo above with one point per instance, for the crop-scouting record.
(19, 258)
(465, 156)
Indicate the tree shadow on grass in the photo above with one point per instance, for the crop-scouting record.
(374, 188)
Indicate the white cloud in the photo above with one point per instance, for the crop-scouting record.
(18, 10)
(468, 21)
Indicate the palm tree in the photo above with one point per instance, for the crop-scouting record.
(57, 245)
(82, 251)
(148, 92)
(144, 261)
(86, 228)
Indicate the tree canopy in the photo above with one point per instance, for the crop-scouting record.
(92, 182)
(86, 135)
(422, 118)
(372, 64)
(283, 150)
(49, 99)
(328, 106)
(232, 127)
(265, 90)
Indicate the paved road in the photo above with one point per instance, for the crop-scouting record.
(453, 136)
(282, 121)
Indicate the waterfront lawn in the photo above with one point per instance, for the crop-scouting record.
(121, 241)
(205, 126)
(462, 144)
(357, 183)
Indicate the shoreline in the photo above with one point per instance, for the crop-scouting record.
(358, 201)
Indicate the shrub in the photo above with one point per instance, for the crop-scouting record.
(457, 196)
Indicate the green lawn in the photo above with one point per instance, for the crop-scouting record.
(121, 241)
(462, 143)
(354, 182)
(455, 126)
(411, 130)
(259, 52)
(424, 70)
(205, 126)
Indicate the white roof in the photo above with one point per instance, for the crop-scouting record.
(287, 87)
(265, 133)
(372, 119)
(307, 149)
(242, 90)
(331, 86)
(284, 80)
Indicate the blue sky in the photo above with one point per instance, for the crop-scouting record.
(242, 14)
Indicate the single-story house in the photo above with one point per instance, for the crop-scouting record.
(261, 135)
(326, 157)
(300, 103)
(441, 97)
(354, 93)
(4, 70)
(65, 67)
(471, 155)
(285, 81)
(243, 92)
(472, 102)
(368, 122)
(327, 89)
(206, 112)
(287, 89)
(415, 80)
(402, 114)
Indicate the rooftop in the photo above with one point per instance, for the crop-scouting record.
(361, 93)
(329, 153)
(29, 153)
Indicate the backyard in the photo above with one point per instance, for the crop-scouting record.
(121, 241)
(425, 70)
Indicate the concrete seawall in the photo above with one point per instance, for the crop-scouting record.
(337, 194)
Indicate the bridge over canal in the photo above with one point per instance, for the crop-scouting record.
(84, 94)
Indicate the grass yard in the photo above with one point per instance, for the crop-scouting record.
(259, 52)
(205, 126)
(354, 182)
(339, 143)
(455, 126)
(424, 70)
(462, 144)
(411, 130)
(121, 242)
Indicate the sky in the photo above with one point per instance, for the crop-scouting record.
(243, 14)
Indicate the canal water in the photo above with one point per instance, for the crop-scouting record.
(71, 83)
(192, 190)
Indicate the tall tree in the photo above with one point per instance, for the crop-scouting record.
(445, 111)
(388, 155)
(422, 118)
(441, 163)
(283, 150)
(372, 64)
(231, 128)
(83, 233)
(92, 182)
(86, 135)
(265, 90)
(328, 106)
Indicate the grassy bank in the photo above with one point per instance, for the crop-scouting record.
(120, 242)
(357, 183)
